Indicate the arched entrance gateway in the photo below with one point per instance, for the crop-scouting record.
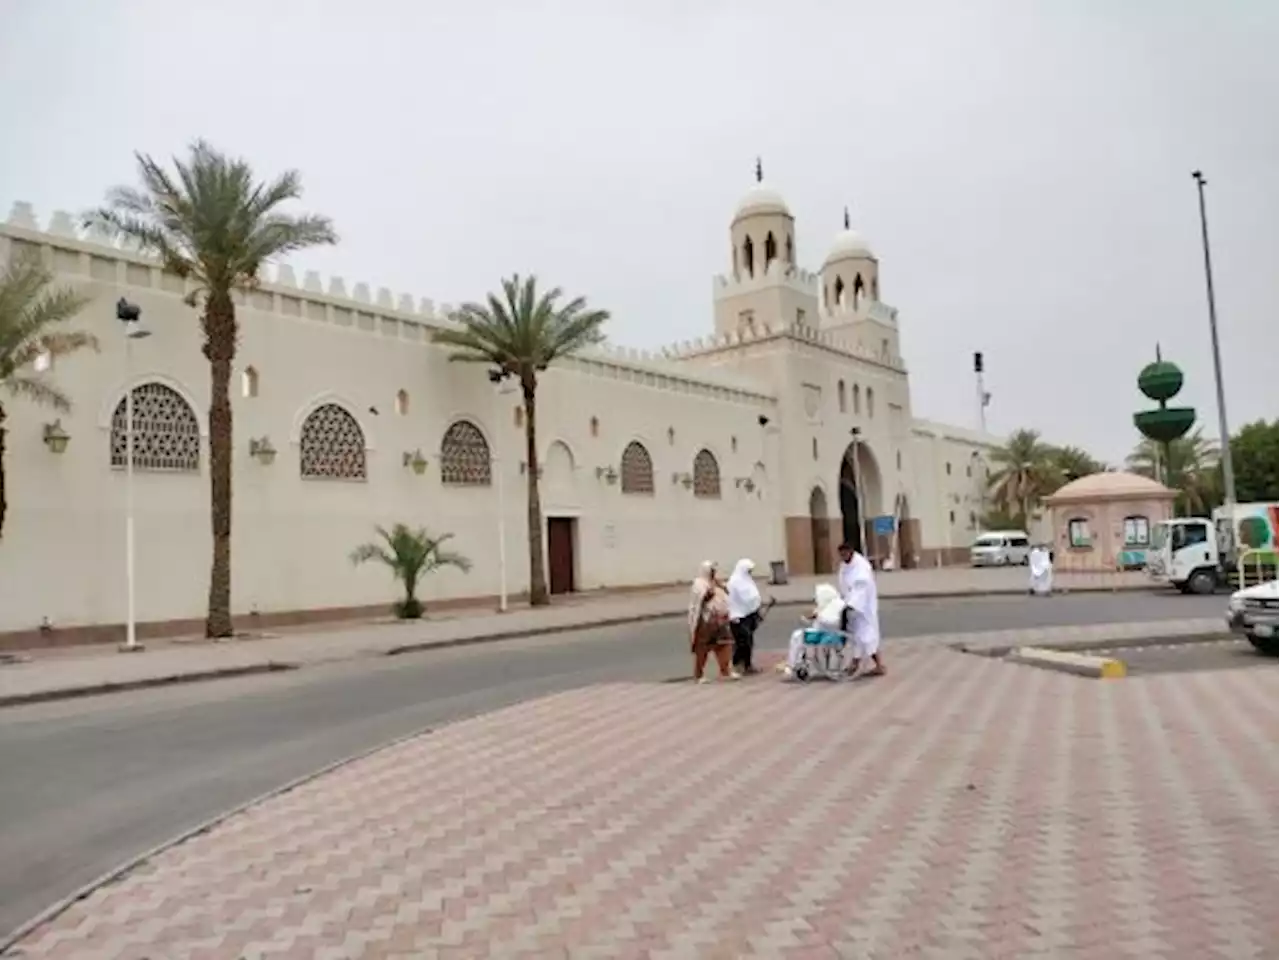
(820, 531)
(908, 551)
(860, 498)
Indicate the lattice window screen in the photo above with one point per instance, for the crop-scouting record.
(332, 445)
(166, 433)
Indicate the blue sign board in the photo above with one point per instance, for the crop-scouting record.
(883, 526)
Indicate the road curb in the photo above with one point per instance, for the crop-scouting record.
(8, 941)
(619, 621)
(1065, 661)
(1082, 644)
(166, 680)
(426, 646)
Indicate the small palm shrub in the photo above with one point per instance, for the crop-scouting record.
(410, 555)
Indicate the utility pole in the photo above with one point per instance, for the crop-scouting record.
(1224, 435)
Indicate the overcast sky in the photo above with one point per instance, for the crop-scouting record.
(1022, 169)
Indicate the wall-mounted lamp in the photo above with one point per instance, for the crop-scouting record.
(415, 461)
(683, 478)
(262, 451)
(55, 438)
(524, 468)
(745, 483)
(607, 474)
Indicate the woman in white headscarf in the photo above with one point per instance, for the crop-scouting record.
(828, 615)
(1040, 566)
(744, 614)
(709, 624)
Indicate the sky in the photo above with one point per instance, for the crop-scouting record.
(1022, 170)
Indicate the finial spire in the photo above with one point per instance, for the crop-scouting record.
(1158, 357)
(759, 171)
(846, 218)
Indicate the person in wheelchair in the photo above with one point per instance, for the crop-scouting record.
(822, 637)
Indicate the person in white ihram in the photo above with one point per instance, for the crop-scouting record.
(1040, 564)
(862, 612)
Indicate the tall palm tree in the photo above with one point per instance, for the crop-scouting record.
(1072, 463)
(1188, 466)
(214, 225)
(519, 334)
(29, 310)
(1023, 473)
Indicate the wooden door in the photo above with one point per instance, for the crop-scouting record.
(560, 536)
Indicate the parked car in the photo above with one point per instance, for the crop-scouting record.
(1252, 613)
(1000, 548)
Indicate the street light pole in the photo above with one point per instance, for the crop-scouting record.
(130, 315)
(1224, 435)
(502, 389)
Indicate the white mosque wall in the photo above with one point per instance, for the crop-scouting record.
(62, 552)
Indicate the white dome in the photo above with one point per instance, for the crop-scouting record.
(849, 244)
(761, 199)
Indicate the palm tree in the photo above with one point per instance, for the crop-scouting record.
(215, 225)
(1187, 465)
(29, 309)
(411, 555)
(1072, 463)
(1024, 473)
(520, 334)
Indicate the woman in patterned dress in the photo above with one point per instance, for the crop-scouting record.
(709, 624)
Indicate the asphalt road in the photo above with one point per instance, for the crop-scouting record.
(87, 784)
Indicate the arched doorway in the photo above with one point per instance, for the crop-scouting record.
(850, 509)
(908, 548)
(860, 498)
(819, 531)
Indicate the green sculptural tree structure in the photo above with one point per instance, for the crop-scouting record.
(1161, 381)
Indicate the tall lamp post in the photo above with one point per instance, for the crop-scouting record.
(130, 315)
(501, 389)
(1224, 436)
(856, 433)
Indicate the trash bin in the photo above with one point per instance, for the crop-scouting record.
(777, 572)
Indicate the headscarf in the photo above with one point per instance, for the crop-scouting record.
(698, 593)
(828, 606)
(744, 595)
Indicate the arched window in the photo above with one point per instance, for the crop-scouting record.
(871, 402)
(331, 446)
(748, 257)
(402, 402)
(791, 251)
(249, 382)
(839, 290)
(840, 395)
(706, 476)
(857, 400)
(166, 433)
(464, 456)
(637, 469)
(770, 250)
(859, 291)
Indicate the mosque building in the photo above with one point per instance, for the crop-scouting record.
(785, 430)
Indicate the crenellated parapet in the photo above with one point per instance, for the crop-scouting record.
(833, 340)
(866, 310)
(778, 273)
(97, 255)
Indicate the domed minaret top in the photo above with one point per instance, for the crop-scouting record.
(849, 244)
(760, 199)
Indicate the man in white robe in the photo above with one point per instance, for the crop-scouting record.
(858, 591)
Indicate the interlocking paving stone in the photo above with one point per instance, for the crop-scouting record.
(958, 808)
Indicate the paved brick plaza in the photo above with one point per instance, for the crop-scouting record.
(960, 807)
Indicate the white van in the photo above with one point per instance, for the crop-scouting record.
(1000, 548)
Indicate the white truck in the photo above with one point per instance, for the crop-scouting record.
(1237, 547)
